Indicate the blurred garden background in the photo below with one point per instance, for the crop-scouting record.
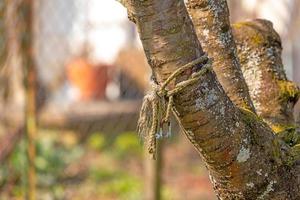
(72, 77)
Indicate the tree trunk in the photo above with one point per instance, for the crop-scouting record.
(211, 21)
(30, 81)
(244, 157)
(259, 50)
(258, 53)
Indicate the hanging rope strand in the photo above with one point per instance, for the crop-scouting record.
(182, 69)
(157, 106)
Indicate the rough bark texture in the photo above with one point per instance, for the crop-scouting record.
(259, 55)
(264, 75)
(259, 50)
(211, 20)
(244, 158)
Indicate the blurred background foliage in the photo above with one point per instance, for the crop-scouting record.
(101, 167)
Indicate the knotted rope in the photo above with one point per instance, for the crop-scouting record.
(158, 104)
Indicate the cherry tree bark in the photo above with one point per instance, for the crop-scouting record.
(211, 21)
(258, 54)
(244, 157)
(259, 49)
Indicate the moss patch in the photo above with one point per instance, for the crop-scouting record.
(248, 116)
(288, 90)
(240, 25)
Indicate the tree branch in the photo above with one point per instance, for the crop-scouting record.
(211, 21)
(259, 50)
(272, 95)
(243, 162)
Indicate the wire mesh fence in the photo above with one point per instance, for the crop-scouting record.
(79, 52)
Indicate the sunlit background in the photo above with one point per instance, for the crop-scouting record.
(92, 75)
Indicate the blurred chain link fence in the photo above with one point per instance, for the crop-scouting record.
(91, 69)
(91, 76)
(78, 64)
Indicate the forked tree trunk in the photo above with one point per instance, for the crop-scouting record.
(257, 55)
(245, 159)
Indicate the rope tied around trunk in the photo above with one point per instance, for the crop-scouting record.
(158, 104)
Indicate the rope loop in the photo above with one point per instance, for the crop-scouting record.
(157, 105)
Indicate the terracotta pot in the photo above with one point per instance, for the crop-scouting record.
(90, 80)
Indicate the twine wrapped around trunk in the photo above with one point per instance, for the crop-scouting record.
(158, 104)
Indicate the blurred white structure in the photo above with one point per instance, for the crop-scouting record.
(66, 29)
(109, 31)
(277, 11)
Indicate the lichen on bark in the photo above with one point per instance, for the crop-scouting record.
(245, 159)
(211, 20)
(259, 51)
